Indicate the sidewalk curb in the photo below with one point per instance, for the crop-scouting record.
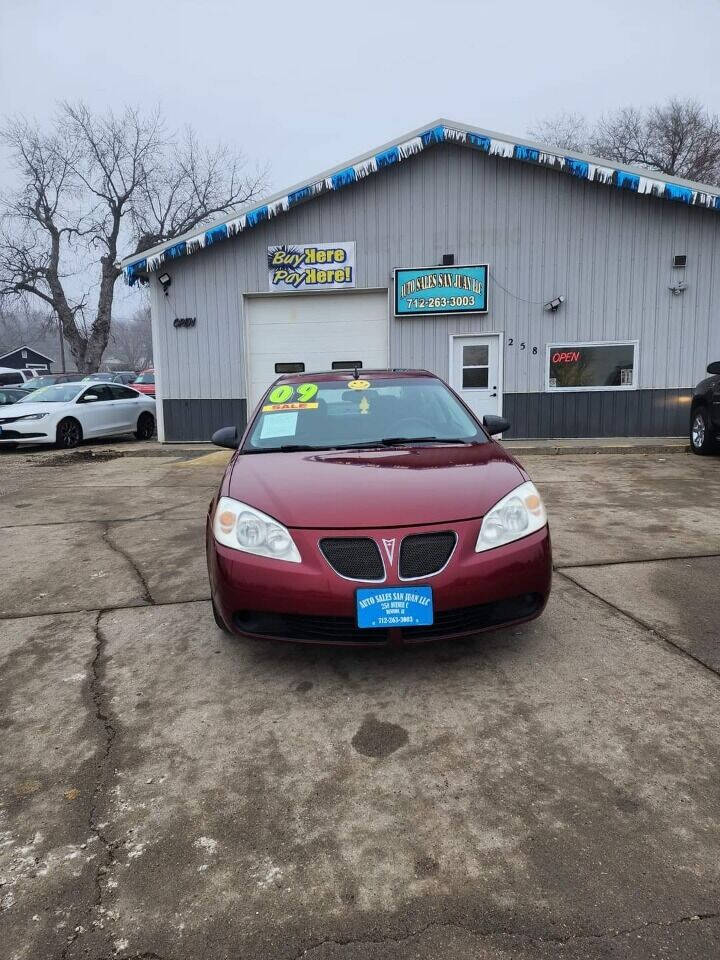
(517, 447)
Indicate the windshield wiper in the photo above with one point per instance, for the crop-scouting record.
(362, 445)
(285, 448)
(396, 441)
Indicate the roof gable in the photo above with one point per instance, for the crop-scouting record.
(581, 166)
(11, 353)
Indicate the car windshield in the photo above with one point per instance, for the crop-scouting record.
(38, 382)
(145, 378)
(57, 393)
(332, 415)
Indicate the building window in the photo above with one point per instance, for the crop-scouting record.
(347, 364)
(592, 366)
(289, 368)
(475, 366)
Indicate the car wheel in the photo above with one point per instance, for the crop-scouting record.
(701, 438)
(68, 433)
(218, 619)
(145, 426)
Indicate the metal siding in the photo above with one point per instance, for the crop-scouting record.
(543, 234)
(630, 413)
(195, 420)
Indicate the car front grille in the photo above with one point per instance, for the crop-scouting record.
(357, 558)
(310, 629)
(463, 620)
(423, 554)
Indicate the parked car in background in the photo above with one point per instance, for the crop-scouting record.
(9, 377)
(145, 382)
(705, 413)
(113, 376)
(48, 379)
(66, 413)
(10, 395)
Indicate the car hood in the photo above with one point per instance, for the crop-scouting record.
(22, 409)
(374, 488)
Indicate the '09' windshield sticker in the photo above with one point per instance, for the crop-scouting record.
(288, 391)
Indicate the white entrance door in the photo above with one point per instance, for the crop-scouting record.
(476, 373)
(317, 330)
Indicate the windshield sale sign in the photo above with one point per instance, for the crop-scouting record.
(429, 290)
(311, 266)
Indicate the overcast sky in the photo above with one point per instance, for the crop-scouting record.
(303, 86)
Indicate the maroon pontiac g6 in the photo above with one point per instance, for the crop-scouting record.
(372, 507)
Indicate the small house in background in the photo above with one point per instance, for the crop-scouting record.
(25, 358)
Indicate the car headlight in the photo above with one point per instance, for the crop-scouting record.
(515, 516)
(241, 527)
(33, 416)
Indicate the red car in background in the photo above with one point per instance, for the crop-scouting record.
(145, 382)
(373, 509)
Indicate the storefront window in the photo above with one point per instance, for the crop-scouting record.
(289, 368)
(591, 366)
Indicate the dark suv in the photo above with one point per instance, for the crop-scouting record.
(705, 413)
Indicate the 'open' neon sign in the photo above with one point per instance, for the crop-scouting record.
(566, 356)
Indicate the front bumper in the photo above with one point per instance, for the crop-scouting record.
(29, 433)
(309, 603)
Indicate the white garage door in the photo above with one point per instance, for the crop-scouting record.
(317, 330)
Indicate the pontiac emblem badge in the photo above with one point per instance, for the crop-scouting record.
(389, 548)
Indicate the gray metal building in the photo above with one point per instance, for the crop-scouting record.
(575, 297)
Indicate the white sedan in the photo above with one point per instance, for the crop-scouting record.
(66, 413)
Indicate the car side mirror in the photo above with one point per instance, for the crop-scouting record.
(714, 368)
(496, 425)
(226, 437)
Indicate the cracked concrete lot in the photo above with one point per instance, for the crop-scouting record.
(168, 792)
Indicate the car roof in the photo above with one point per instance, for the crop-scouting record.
(363, 374)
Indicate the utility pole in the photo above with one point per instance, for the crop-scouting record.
(62, 346)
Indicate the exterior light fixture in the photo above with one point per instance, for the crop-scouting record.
(552, 305)
(678, 288)
(165, 280)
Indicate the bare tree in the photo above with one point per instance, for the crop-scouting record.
(680, 138)
(131, 341)
(94, 185)
(569, 131)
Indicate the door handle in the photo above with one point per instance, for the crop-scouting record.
(493, 394)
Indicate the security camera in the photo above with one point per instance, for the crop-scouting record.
(552, 305)
(678, 288)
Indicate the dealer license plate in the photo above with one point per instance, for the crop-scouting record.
(394, 607)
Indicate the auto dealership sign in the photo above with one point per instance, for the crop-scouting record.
(429, 290)
(311, 266)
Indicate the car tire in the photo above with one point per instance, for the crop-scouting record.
(68, 434)
(702, 440)
(145, 426)
(218, 619)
